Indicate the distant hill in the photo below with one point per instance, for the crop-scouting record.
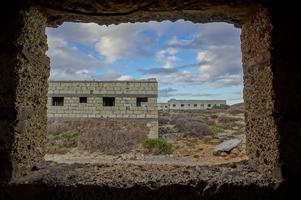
(238, 105)
(237, 108)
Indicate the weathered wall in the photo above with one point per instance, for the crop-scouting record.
(271, 72)
(259, 93)
(24, 70)
(105, 128)
(125, 93)
(272, 93)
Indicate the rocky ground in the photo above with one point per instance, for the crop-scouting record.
(203, 137)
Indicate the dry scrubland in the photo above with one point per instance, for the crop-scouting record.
(188, 137)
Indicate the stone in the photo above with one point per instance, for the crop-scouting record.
(226, 146)
(270, 46)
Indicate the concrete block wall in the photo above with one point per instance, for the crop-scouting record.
(125, 114)
(125, 93)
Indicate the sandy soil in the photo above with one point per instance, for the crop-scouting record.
(186, 150)
(191, 151)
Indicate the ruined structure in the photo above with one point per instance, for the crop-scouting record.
(176, 104)
(106, 111)
(103, 99)
(270, 43)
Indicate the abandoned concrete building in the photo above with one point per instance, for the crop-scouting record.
(177, 104)
(135, 99)
(270, 45)
(107, 106)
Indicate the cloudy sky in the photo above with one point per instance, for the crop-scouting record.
(190, 61)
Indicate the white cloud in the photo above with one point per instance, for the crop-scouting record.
(125, 78)
(112, 48)
(167, 56)
(217, 48)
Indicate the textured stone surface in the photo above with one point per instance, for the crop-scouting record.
(116, 11)
(128, 181)
(270, 41)
(271, 93)
(259, 94)
(24, 73)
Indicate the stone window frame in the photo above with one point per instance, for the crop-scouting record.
(272, 100)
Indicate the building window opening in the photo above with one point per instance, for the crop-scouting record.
(108, 101)
(140, 101)
(83, 99)
(195, 105)
(57, 101)
(182, 105)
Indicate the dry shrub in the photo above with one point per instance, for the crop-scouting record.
(62, 142)
(111, 137)
(191, 127)
(210, 122)
(226, 119)
(235, 111)
(163, 130)
(163, 120)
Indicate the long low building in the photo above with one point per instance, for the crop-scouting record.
(177, 104)
(125, 109)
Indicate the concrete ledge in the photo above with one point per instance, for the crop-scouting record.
(128, 181)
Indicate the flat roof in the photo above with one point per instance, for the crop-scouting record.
(194, 100)
(153, 80)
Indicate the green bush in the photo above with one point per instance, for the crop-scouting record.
(214, 116)
(215, 129)
(157, 146)
(62, 142)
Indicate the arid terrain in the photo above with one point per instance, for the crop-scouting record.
(186, 138)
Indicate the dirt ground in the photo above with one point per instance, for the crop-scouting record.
(185, 152)
(192, 144)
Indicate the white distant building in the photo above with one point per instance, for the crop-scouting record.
(163, 106)
(175, 104)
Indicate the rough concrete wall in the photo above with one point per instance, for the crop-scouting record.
(259, 93)
(24, 74)
(124, 11)
(271, 91)
(125, 93)
(125, 107)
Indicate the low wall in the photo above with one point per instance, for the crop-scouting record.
(109, 135)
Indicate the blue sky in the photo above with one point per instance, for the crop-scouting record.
(190, 61)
